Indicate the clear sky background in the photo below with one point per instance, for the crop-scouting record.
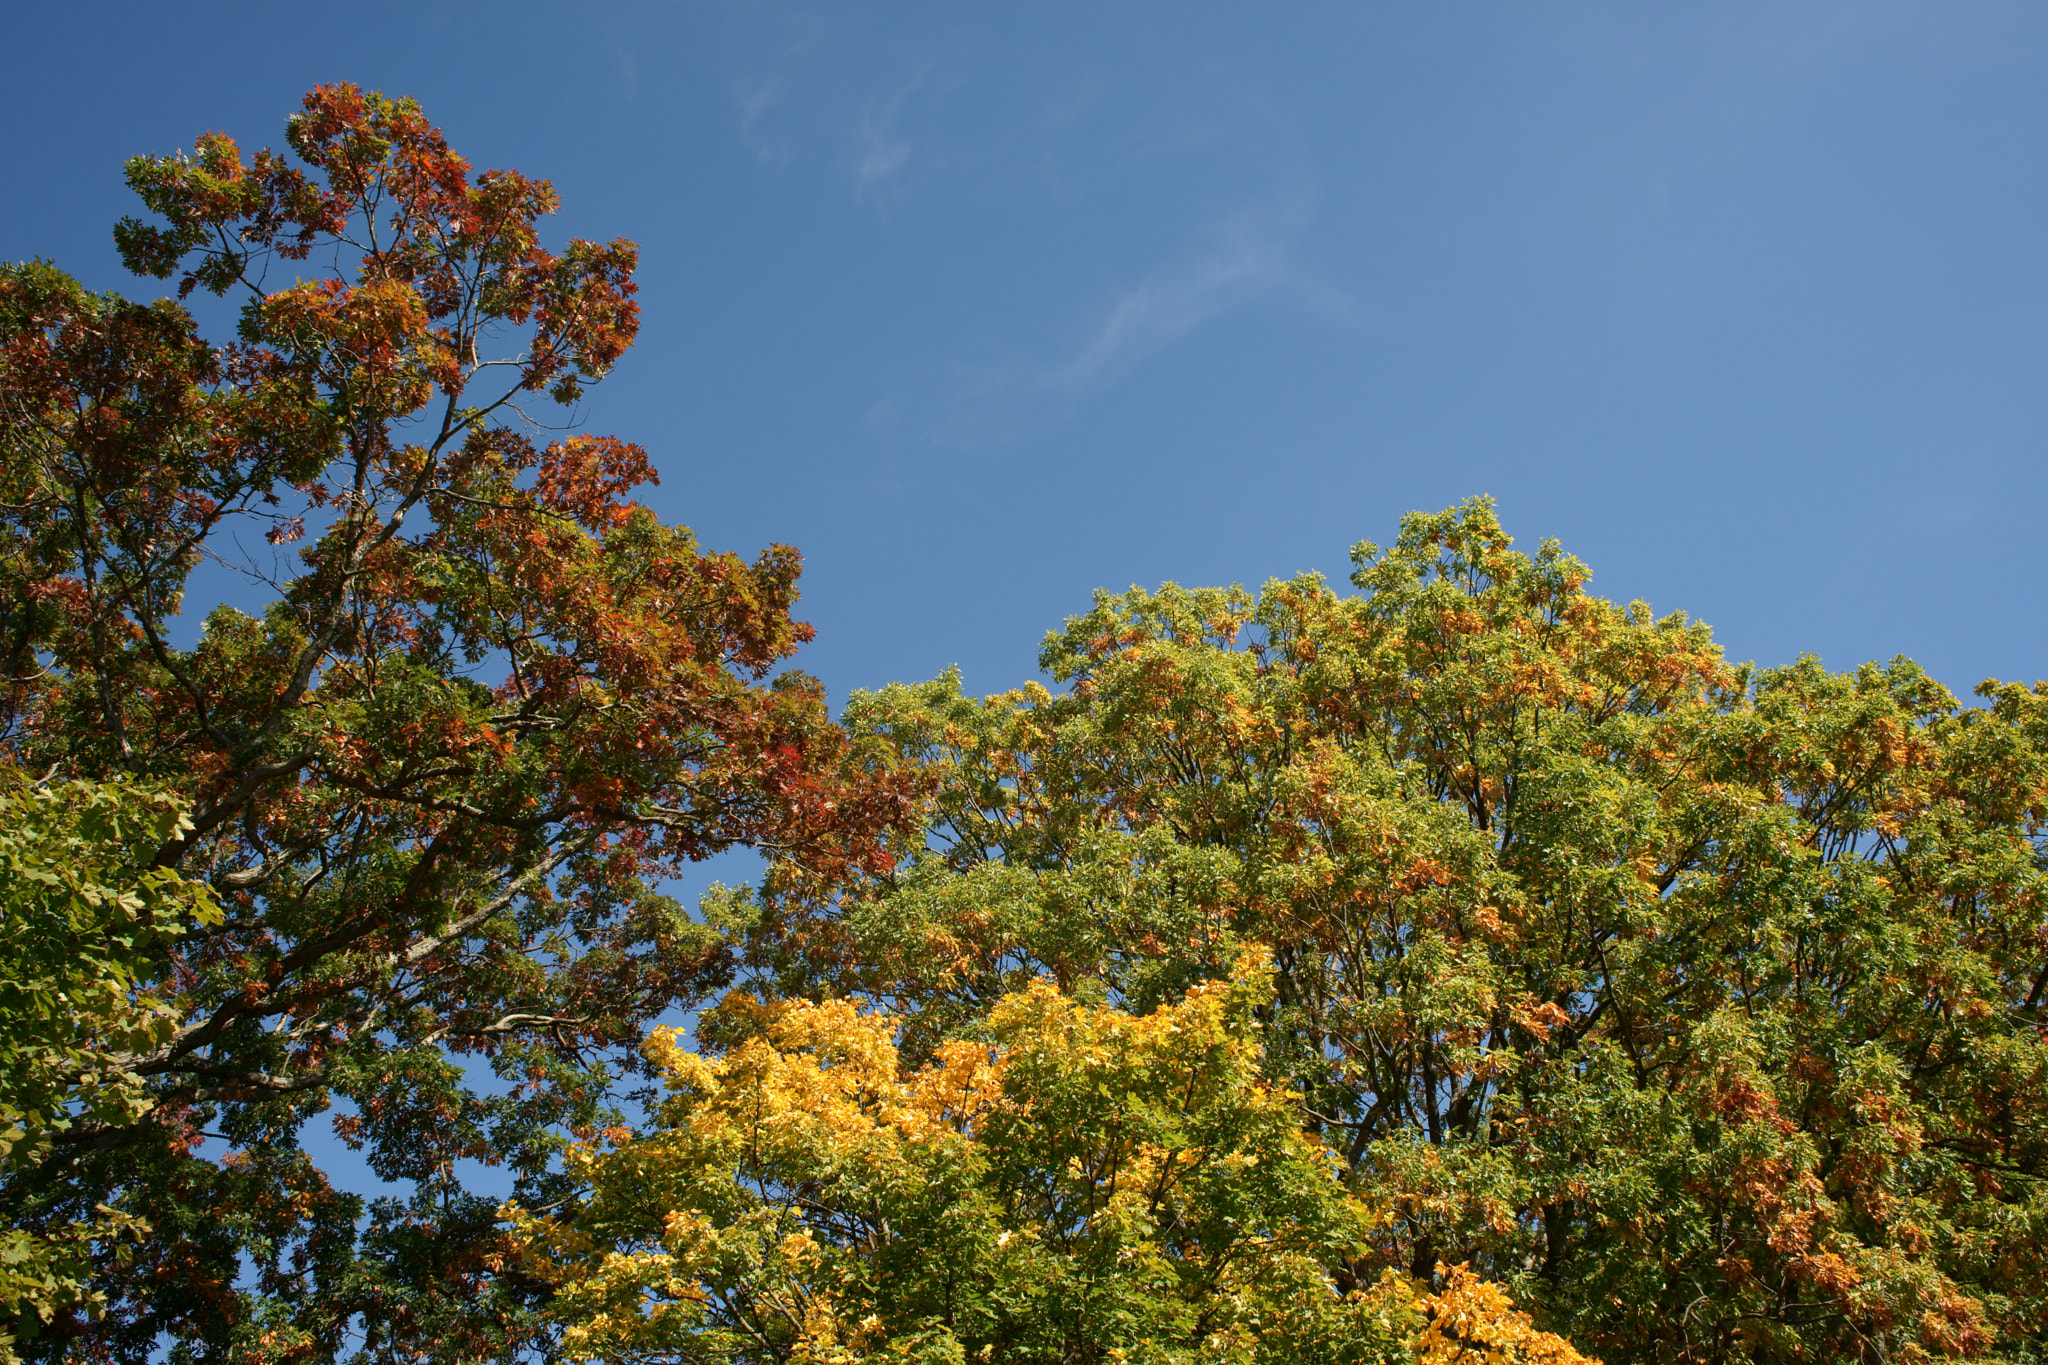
(985, 306)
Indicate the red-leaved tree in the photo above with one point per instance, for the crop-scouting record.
(467, 705)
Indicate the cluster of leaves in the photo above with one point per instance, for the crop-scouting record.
(1076, 1184)
(466, 705)
(83, 920)
(1701, 1007)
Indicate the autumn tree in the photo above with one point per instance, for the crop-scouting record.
(462, 709)
(1073, 1184)
(1700, 1006)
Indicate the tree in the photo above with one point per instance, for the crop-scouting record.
(1076, 1184)
(1702, 1007)
(82, 923)
(466, 709)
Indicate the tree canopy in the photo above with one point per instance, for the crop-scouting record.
(1701, 1006)
(1462, 966)
(462, 707)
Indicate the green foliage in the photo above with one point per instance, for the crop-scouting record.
(83, 922)
(1701, 1006)
(1075, 1184)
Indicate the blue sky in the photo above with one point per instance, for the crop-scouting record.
(986, 306)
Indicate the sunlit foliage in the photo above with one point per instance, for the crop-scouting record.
(83, 922)
(1699, 1005)
(1074, 1184)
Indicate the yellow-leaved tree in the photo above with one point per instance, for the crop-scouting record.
(1075, 1184)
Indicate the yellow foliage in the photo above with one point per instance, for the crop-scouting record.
(1473, 1322)
(1079, 1179)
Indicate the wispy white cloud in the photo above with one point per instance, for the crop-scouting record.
(804, 83)
(755, 99)
(1225, 264)
(879, 155)
(921, 116)
(1231, 261)
(773, 53)
(880, 148)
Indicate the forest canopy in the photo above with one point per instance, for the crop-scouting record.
(1699, 1006)
(1457, 965)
